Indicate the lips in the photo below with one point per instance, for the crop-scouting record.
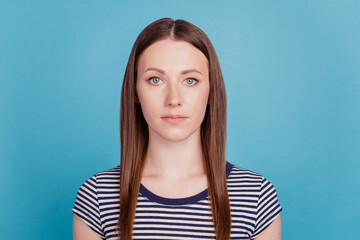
(173, 116)
(174, 119)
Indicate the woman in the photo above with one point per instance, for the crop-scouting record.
(173, 181)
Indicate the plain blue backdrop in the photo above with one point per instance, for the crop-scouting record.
(292, 74)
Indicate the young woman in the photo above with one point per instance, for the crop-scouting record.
(173, 181)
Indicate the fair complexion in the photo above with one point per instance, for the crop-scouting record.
(173, 79)
(81, 231)
(273, 231)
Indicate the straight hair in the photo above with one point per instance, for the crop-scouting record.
(134, 132)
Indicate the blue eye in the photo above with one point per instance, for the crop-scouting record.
(155, 80)
(191, 81)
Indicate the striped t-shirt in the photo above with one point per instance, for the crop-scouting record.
(253, 203)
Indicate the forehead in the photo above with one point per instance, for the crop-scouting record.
(169, 54)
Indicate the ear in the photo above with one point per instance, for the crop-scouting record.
(136, 98)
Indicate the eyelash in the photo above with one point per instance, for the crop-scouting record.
(196, 81)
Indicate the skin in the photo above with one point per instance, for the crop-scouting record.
(273, 231)
(173, 78)
(81, 231)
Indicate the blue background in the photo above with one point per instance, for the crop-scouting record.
(291, 69)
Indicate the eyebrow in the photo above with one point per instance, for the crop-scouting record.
(163, 72)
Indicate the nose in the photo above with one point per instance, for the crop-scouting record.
(173, 98)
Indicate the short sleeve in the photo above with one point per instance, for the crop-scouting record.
(268, 207)
(87, 206)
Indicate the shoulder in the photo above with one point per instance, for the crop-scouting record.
(253, 200)
(245, 180)
(107, 180)
(243, 184)
(108, 175)
(100, 181)
(92, 196)
(241, 174)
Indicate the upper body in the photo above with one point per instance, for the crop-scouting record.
(255, 209)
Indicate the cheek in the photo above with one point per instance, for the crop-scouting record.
(204, 96)
(201, 99)
(148, 107)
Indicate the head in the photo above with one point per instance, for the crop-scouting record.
(178, 30)
(134, 130)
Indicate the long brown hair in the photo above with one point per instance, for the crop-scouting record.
(135, 136)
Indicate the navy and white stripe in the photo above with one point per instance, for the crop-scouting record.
(253, 202)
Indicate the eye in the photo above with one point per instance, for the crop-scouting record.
(191, 81)
(154, 80)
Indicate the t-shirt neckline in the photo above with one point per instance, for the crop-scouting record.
(179, 201)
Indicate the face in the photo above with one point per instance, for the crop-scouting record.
(172, 88)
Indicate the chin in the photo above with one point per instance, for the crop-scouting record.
(175, 137)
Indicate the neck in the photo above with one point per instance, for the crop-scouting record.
(174, 159)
